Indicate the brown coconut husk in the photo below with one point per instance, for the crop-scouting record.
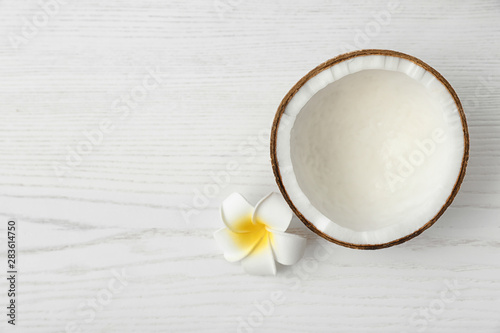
(328, 64)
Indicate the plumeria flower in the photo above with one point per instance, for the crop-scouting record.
(257, 237)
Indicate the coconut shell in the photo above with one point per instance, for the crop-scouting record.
(328, 64)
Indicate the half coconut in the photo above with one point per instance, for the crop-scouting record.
(370, 148)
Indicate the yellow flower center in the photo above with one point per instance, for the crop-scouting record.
(256, 235)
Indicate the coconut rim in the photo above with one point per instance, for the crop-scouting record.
(330, 63)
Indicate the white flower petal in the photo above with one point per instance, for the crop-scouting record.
(236, 213)
(287, 248)
(237, 246)
(261, 260)
(273, 211)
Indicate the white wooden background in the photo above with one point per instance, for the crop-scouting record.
(134, 200)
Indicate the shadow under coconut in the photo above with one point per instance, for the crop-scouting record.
(481, 185)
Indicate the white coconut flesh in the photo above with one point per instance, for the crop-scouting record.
(369, 150)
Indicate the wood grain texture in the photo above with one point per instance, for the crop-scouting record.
(133, 201)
